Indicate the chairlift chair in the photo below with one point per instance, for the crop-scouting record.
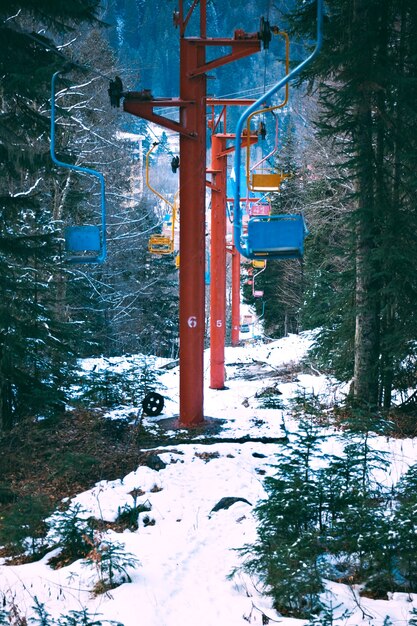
(261, 178)
(258, 176)
(260, 207)
(261, 265)
(161, 244)
(274, 236)
(83, 243)
(82, 239)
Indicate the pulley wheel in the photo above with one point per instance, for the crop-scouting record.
(152, 404)
(265, 32)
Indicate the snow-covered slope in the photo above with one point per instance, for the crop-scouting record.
(187, 551)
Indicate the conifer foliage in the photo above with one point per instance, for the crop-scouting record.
(366, 78)
(34, 348)
(329, 517)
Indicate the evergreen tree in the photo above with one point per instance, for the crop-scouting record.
(288, 555)
(367, 83)
(357, 526)
(329, 518)
(404, 531)
(34, 350)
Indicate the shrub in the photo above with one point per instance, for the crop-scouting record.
(73, 534)
(109, 387)
(111, 562)
(128, 515)
(23, 528)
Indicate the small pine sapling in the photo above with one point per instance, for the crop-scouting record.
(73, 533)
(23, 528)
(128, 515)
(327, 616)
(84, 618)
(287, 556)
(41, 617)
(4, 618)
(355, 515)
(405, 526)
(112, 563)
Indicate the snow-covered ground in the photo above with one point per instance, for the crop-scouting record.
(186, 556)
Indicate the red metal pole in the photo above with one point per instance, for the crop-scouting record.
(192, 236)
(235, 296)
(192, 129)
(218, 262)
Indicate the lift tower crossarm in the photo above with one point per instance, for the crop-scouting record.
(241, 48)
(135, 105)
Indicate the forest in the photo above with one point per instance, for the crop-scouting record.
(347, 148)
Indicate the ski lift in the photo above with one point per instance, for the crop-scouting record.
(260, 207)
(258, 293)
(207, 272)
(83, 243)
(259, 177)
(273, 236)
(161, 244)
(276, 236)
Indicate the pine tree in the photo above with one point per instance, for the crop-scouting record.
(34, 349)
(357, 526)
(326, 518)
(288, 553)
(404, 531)
(367, 76)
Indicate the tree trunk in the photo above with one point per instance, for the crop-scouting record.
(367, 324)
(6, 401)
(367, 330)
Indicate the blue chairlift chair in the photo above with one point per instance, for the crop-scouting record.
(83, 243)
(275, 236)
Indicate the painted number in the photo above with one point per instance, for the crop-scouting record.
(219, 323)
(192, 321)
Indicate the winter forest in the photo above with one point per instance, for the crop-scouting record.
(81, 344)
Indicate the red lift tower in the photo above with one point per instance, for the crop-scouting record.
(222, 144)
(191, 126)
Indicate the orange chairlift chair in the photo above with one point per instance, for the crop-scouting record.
(259, 176)
(161, 244)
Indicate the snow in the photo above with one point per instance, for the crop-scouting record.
(186, 557)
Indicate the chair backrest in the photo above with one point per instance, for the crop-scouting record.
(82, 239)
(277, 236)
(266, 182)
